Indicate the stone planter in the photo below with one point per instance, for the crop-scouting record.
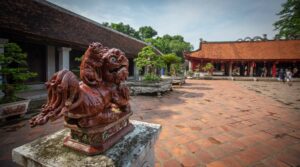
(140, 87)
(178, 80)
(14, 108)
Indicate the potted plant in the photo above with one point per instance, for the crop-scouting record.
(190, 74)
(177, 74)
(209, 68)
(14, 72)
(151, 83)
(149, 60)
(170, 60)
(197, 71)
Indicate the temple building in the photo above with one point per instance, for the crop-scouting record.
(247, 58)
(52, 36)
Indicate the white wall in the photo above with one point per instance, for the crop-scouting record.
(64, 58)
(50, 61)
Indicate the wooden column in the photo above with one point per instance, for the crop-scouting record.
(251, 69)
(274, 70)
(230, 68)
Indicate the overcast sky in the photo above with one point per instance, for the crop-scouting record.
(212, 20)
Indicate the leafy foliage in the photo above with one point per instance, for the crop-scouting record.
(14, 71)
(143, 32)
(79, 58)
(149, 59)
(170, 59)
(151, 78)
(176, 69)
(171, 44)
(124, 28)
(166, 44)
(146, 32)
(190, 73)
(208, 67)
(289, 23)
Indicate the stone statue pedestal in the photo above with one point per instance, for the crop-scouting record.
(134, 149)
(95, 140)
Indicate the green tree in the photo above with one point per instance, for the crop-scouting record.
(146, 32)
(124, 28)
(105, 24)
(209, 67)
(14, 71)
(149, 59)
(170, 59)
(176, 69)
(171, 44)
(160, 44)
(289, 22)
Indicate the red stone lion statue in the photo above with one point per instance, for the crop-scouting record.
(99, 98)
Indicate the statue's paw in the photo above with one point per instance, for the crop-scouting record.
(33, 120)
(32, 124)
(58, 115)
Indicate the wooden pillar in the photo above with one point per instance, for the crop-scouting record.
(274, 70)
(251, 68)
(230, 68)
(190, 65)
(193, 65)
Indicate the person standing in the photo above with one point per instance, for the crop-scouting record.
(289, 75)
(265, 71)
(262, 72)
(295, 71)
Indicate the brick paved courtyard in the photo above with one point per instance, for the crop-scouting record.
(212, 123)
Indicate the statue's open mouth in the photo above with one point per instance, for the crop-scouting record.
(118, 69)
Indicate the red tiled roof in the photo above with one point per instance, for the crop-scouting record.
(254, 50)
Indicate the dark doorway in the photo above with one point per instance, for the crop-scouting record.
(131, 66)
(74, 64)
(36, 59)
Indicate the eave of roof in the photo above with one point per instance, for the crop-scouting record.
(45, 2)
(8, 17)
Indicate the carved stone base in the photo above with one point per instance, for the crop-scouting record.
(92, 141)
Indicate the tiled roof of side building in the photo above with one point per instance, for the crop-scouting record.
(248, 50)
(44, 20)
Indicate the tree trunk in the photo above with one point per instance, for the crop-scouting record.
(169, 69)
